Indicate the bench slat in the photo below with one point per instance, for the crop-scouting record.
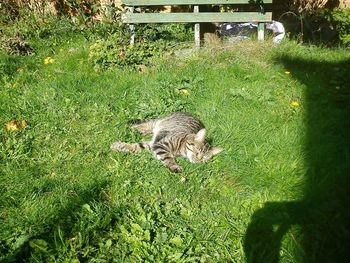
(189, 2)
(137, 18)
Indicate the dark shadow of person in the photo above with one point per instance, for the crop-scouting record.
(323, 214)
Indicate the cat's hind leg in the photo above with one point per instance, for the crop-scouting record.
(145, 128)
(130, 147)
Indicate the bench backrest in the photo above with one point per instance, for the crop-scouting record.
(192, 2)
(198, 17)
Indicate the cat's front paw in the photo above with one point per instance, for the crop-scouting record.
(176, 169)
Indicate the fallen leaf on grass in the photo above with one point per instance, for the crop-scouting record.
(121, 55)
(15, 125)
(142, 68)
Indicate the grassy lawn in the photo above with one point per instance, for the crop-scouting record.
(278, 192)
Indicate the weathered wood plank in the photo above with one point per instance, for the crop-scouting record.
(197, 32)
(132, 28)
(261, 31)
(190, 2)
(196, 17)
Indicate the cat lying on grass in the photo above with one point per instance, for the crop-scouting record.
(178, 134)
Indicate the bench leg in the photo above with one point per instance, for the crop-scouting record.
(197, 32)
(132, 28)
(132, 34)
(261, 31)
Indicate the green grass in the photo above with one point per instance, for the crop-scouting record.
(279, 191)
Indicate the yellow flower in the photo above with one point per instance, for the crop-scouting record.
(185, 92)
(287, 72)
(48, 60)
(295, 104)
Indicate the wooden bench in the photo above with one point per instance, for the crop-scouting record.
(259, 16)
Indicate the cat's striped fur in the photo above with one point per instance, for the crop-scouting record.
(178, 134)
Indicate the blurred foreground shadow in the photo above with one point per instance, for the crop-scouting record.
(323, 214)
(66, 217)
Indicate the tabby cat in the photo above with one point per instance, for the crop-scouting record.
(178, 134)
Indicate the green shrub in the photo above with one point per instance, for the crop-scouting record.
(29, 32)
(340, 18)
(16, 46)
(8, 12)
(151, 41)
(170, 32)
(112, 53)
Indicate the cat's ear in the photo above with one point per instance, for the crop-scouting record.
(216, 150)
(200, 136)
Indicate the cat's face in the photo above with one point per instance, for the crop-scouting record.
(198, 150)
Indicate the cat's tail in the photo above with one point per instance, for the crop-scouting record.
(135, 122)
(130, 147)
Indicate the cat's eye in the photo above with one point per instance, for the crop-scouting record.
(190, 146)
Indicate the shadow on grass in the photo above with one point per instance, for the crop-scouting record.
(65, 218)
(323, 214)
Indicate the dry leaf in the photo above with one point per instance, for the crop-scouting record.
(12, 126)
(23, 124)
(142, 68)
(121, 54)
(15, 125)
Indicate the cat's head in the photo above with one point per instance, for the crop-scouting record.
(199, 150)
